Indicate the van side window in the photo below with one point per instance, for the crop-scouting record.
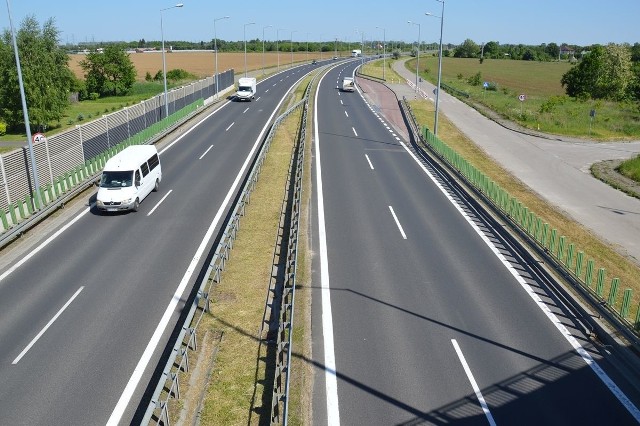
(153, 161)
(137, 178)
(145, 169)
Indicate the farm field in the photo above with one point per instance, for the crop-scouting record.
(202, 63)
(546, 107)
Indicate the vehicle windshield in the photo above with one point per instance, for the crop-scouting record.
(244, 88)
(116, 179)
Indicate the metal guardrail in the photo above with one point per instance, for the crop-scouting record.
(158, 407)
(556, 249)
(280, 393)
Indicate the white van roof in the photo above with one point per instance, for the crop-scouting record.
(130, 158)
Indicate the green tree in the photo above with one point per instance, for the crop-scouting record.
(491, 49)
(553, 50)
(604, 73)
(468, 49)
(45, 74)
(110, 72)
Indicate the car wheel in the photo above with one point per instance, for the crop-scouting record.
(136, 205)
(156, 186)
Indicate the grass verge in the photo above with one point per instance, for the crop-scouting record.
(604, 255)
(239, 389)
(375, 69)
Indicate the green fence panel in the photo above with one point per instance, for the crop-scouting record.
(531, 224)
(579, 261)
(49, 190)
(554, 241)
(613, 292)
(637, 322)
(29, 201)
(560, 253)
(12, 214)
(69, 181)
(20, 205)
(588, 278)
(3, 218)
(626, 303)
(600, 282)
(570, 254)
(545, 235)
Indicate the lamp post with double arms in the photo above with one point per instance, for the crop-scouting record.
(215, 49)
(164, 62)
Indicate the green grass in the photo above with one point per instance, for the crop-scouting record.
(631, 168)
(546, 107)
(375, 69)
(91, 109)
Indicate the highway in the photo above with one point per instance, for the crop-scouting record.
(422, 313)
(85, 317)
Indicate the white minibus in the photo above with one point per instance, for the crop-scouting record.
(128, 177)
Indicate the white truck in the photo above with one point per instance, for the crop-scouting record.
(355, 53)
(348, 85)
(246, 89)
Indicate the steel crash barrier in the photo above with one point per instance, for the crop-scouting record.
(564, 254)
(168, 387)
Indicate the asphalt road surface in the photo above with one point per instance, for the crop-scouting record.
(422, 314)
(85, 317)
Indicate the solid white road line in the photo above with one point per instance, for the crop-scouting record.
(354, 131)
(586, 356)
(397, 223)
(474, 385)
(130, 388)
(369, 161)
(331, 381)
(205, 153)
(46, 327)
(159, 202)
(245, 110)
(230, 126)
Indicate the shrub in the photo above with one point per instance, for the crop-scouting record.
(80, 117)
(148, 76)
(158, 76)
(476, 79)
(3, 128)
(93, 96)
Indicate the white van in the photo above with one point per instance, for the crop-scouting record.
(128, 177)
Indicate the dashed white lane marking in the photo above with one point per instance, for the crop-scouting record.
(159, 202)
(354, 131)
(398, 223)
(369, 161)
(230, 126)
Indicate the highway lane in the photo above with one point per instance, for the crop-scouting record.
(426, 324)
(76, 317)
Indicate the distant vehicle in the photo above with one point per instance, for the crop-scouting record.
(314, 62)
(356, 53)
(348, 85)
(246, 89)
(128, 177)
(335, 57)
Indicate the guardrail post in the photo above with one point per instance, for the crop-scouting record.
(560, 253)
(29, 202)
(569, 262)
(21, 209)
(637, 322)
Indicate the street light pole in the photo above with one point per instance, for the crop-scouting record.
(268, 26)
(215, 48)
(293, 31)
(435, 121)
(307, 47)
(278, 48)
(384, 51)
(164, 62)
(25, 114)
(244, 34)
(417, 50)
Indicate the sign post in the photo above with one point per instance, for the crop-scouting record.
(522, 98)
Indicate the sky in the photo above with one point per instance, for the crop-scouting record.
(579, 22)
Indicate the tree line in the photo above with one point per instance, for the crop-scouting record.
(601, 72)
